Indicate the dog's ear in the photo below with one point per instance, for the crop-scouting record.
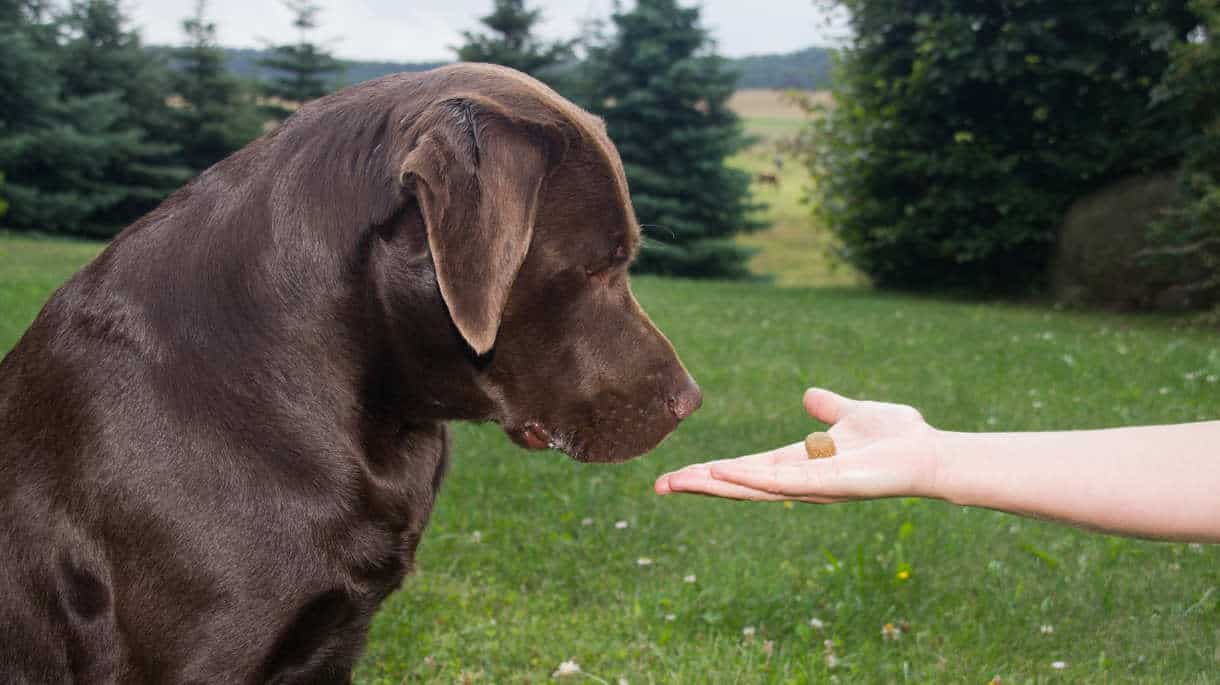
(476, 171)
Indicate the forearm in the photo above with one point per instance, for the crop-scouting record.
(1154, 481)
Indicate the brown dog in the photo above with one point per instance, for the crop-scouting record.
(220, 441)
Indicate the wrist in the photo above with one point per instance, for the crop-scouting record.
(937, 485)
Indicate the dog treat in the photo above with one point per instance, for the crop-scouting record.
(819, 445)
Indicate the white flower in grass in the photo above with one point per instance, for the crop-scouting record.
(816, 623)
(748, 631)
(1047, 629)
(644, 561)
(689, 579)
(829, 651)
(620, 524)
(476, 537)
(1037, 404)
(1164, 391)
(586, 521)
(623, 681)
(890, 632)
(567, 669)
(1059, 665)
(671, 617)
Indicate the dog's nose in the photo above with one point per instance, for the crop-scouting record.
(688, 398)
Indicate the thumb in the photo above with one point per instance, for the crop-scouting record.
(826, 406)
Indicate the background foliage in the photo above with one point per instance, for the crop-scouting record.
(1189, 240)
(962, 130)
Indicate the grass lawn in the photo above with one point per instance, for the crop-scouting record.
(525, 564)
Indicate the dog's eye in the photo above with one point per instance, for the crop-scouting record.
(618, 257)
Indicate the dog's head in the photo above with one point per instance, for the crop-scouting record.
(530, 232)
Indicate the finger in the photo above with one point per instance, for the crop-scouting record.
(817, 478)
(785, 454)
(826, 406)
(782, 455)
(700, 481)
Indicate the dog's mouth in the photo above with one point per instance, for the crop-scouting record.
(534, 436)
(531, 436)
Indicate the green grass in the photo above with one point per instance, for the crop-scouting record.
(30, 268)
(536, 586)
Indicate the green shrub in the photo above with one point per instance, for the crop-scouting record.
(964, 130)
(1188, 242)
(1098, 260)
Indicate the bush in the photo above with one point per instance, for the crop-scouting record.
(963, 131)
(1188, 242)
(1099, 258)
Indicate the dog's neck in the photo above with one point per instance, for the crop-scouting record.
(354, 348)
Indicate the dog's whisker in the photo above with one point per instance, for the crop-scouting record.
(644, 228)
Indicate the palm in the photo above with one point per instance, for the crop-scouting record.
(883, 450)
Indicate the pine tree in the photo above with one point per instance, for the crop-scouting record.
(511, 41)
(103, 63)
(664, 95)
(306, 70)
(57, 150)
(28, 99)
(217, 114)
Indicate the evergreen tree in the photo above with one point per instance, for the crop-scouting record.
(103, 64)
(664, 93)
(217, 114)
(511, 41)
(27, 89)
(55, 149)
(306, 70)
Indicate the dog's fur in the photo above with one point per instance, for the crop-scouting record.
(220, 441)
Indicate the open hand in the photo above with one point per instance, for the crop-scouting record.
(884, 450)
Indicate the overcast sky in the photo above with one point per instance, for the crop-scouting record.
(404, 31)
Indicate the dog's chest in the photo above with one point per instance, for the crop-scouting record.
(399, 485)
(368, 553)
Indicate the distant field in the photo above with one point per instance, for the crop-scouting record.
(526, 565)
(794, 251)
(769, 103)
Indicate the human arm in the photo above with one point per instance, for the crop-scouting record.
(1151, 481)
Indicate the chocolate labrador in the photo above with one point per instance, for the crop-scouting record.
(221, 441)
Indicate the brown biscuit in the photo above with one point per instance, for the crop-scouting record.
(819, 445)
